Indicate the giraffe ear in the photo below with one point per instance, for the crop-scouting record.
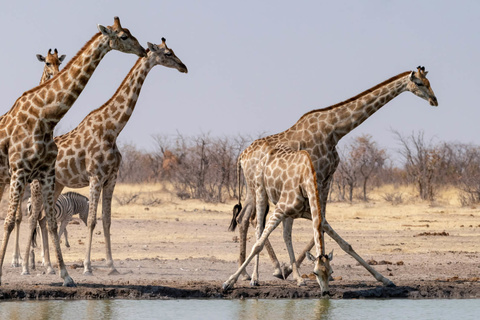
(104, 30)
(152, 47)
(40, 58)
(330, 255)
(412, 75)
(310, 256)
(414, 78)
(62, 57)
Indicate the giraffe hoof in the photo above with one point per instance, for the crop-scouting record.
(88, 273)
(278, 274)
(301, 283)
(50, 270)
(390, 284)
(254, 283)
(226, 286)
(68, 282)
(113, 272)
(286, 272)
(25, 273)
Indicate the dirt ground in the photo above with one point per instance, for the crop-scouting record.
(167, 248)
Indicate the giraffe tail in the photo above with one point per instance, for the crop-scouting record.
(236, 210)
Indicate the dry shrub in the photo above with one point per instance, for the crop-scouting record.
(395, 198)
(126, 198)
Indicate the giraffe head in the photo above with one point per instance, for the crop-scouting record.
(121, 39)
(420, 86)
(52, 63)
(322, 270)
(165, 56)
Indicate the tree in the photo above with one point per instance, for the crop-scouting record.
(346, 174)
(367, 159)
(423, 163)
(359, 161)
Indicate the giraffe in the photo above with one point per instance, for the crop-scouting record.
(318, 132)
(88, 155)
(51, 68)
(27, 149)
(287, 179)
(52, 64)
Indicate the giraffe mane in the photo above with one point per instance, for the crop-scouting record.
(358, 96)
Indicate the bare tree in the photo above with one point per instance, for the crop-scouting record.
(346, 174)
(465, 172)
(366, 159)
(423, 163)
(136, 165)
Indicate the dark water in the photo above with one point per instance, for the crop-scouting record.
(241, 309)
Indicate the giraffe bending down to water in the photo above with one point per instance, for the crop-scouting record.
(88, 155)
(287, 178)
(52, 64)
(27, 149)
(318, 133)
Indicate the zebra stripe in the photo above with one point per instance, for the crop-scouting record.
(67, 205)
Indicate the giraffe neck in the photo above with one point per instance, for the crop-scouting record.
(338, 120)
(116, 112)
(54, 98)
(45, 76)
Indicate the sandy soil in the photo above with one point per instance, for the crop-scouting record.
(167, 248)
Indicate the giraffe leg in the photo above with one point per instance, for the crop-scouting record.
(17, 186)
(16, 257)
(107, 195)
(92, 221)
(273, 222)
(35, 215)
(46, 262)
(261, 206)
(324, 189)
(48, 191)
(287, 238)
(45, 247)
(277, 269)
(32, 224)
(243, 224)
(287, 270)
(348, 249)
(63, 231)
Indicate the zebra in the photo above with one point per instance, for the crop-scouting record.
(67, 205)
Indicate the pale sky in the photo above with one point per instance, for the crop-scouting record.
(258, 66)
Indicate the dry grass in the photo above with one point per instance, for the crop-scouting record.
(157, 224)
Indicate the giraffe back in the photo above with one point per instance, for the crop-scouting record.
(288, 178)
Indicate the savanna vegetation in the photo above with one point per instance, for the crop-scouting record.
(204, 167)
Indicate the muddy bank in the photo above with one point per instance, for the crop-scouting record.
(212, 290)
(177, 254)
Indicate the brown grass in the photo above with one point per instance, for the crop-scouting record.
(157, 224)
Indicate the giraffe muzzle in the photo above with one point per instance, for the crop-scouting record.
(433, 101)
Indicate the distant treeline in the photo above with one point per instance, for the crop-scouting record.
(204, 167)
